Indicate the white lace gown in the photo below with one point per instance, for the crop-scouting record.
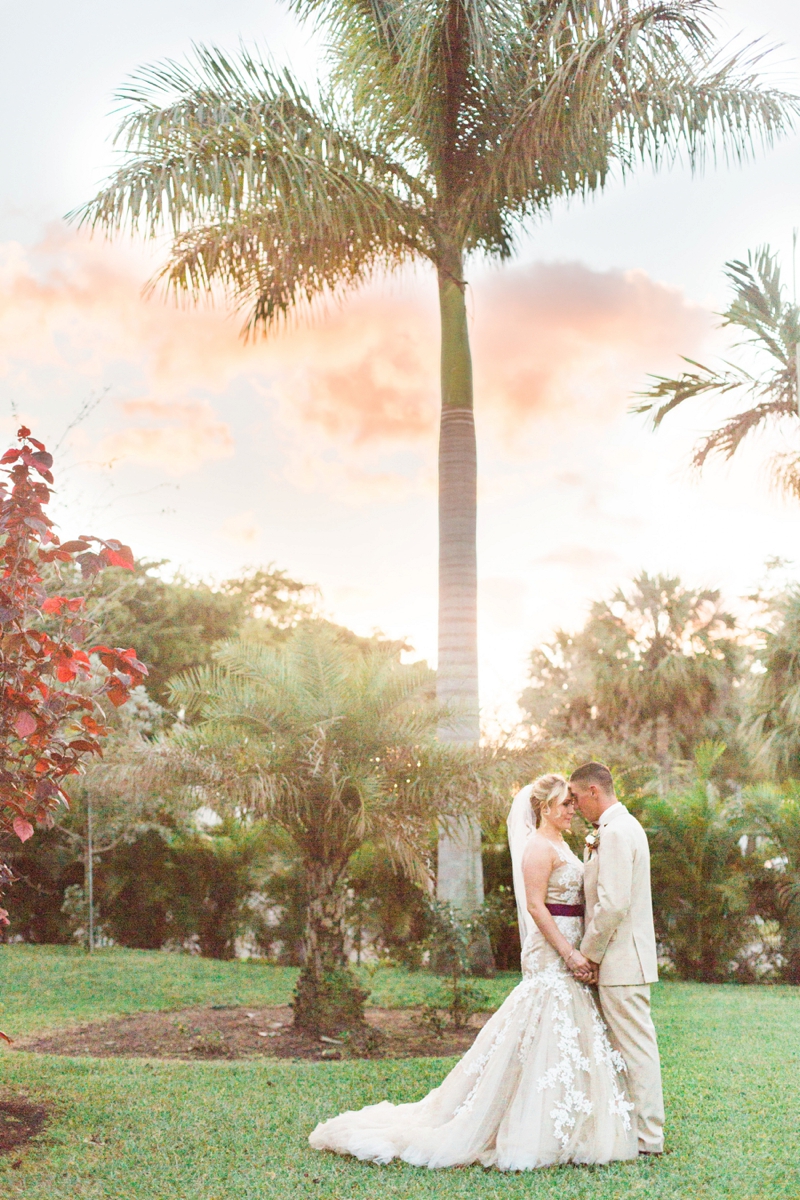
(540, 1085)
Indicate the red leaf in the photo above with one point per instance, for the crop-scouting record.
(22, 828)
(65, 670)
(117, 555)
(117, 694)
(74, 547)
(23, 432)
(25, 724)
(10, 456)
(53, 604)
(90, 564)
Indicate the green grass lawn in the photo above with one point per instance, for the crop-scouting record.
(44, 987)
(126, 1129)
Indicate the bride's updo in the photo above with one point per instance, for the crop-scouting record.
(547, 790)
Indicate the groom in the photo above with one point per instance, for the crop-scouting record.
(620, 940)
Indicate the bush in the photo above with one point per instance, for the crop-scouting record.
(212, 876)
(44, 867)
(385, 909)
(700, 886)
(276, 918)
(450, 944)
(499, 913)
(773, 815)
(135, 886)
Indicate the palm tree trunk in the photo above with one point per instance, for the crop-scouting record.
(327, 996)
(460, 872)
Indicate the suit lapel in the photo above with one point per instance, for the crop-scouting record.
(590, 871)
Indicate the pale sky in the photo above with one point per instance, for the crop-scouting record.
(316, 451)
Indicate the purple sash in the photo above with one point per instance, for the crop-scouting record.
(565, 910)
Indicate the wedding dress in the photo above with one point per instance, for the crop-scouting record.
(541, 1083)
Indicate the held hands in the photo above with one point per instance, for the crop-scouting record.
(582, 968)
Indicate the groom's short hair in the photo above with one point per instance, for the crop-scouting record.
(594, 773)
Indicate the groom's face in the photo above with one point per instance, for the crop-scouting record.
(588, 799)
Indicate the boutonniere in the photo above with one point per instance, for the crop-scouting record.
(592, 840)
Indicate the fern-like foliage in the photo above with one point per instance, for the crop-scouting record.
(332, 743)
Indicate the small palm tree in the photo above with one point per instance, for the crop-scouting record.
(768, 325)
(334, 745)
(700, 889)
(443, 128)
(773, 711)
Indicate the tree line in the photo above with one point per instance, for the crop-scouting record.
(274, 786)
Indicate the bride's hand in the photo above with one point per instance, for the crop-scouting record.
(580, 967)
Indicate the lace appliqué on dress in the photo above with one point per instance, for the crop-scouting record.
(605, 1054)
(526, 992)
(565, 1074)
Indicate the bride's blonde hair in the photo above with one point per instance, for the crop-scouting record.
(547, 790)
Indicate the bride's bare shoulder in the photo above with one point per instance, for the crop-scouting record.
(539, 852)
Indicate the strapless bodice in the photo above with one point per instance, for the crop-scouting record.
(565, 885)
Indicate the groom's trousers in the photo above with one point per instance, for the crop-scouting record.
(627, 1013)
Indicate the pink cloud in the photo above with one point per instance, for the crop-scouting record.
(79, 303)
(366, 371)
(549, 341)
(554, 341)
(559, 340)
(192, 435)
(241, 527)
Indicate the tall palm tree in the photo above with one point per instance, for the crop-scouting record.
(334, 745)
(443, 126)
(654, 671)
(768, 325)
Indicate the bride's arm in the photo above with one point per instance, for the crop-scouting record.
(537, 866)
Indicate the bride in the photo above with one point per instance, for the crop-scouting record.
(541, 1083)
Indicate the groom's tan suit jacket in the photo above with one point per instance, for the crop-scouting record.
(619, 932)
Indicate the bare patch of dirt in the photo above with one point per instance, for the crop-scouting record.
(19, 1122)
(233, 1032)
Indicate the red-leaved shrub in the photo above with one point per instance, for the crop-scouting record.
(47, 727)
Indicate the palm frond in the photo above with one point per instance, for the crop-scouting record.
(768, 325)
(605, 85)
(758, 307)
(265, 192)
(726, 440)
(704, 381)
(447, 123)
(784, 470)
